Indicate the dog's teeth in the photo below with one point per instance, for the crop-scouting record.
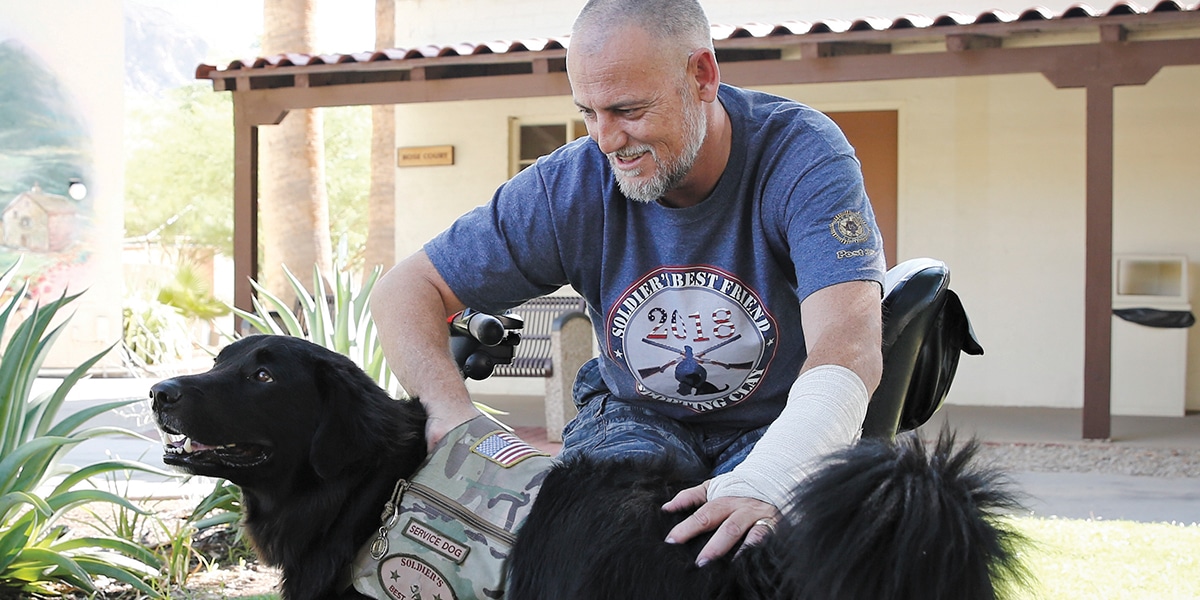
(182, 444)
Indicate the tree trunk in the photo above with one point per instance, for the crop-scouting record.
(293, 204)
(381, 208)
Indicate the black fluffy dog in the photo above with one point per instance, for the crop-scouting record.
(316, 447)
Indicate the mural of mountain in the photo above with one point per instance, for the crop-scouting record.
(44, 144)
(46, 139)
(43, 139)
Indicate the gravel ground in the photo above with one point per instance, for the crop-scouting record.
(1098, 457)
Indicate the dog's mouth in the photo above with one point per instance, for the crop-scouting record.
(181, 450)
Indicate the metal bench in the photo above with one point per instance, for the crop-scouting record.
(553, 343)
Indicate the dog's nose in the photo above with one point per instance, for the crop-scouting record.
(165, 392)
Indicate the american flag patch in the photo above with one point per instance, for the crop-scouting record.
(505, 449)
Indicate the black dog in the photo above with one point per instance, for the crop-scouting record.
(316, 447)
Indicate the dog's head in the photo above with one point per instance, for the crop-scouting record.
(276, 408)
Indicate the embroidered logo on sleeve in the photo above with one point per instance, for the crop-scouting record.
(505, 449)
(849, 227)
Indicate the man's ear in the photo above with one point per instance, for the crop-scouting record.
(703, 69)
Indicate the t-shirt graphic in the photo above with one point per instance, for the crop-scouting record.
(693, 336)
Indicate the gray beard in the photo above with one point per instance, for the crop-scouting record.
(667, 175)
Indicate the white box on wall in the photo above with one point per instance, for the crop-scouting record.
(1149, 364)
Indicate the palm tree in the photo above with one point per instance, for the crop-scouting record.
(293, 204)
(381, 208)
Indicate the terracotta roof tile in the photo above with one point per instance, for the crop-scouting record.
(789, 28)
(912, 22)
(953, 18)
(1171, 6)
(1080, 10)
(721, 32)
(1037, 13)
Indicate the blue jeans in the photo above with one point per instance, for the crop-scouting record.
(607, 426)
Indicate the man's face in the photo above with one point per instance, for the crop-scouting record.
(640, 111)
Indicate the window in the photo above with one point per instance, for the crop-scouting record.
(536, 139)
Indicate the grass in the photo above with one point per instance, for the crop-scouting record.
(1088, 559)
(1070, 559)
(1074, 559)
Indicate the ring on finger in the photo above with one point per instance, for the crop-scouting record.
(767, 522)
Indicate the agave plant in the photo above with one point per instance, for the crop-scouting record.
(36, 552)
(338, 318)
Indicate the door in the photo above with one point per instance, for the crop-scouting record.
(874, 135)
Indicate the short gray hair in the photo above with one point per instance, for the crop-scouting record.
(676, 22)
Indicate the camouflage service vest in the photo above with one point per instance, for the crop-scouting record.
(447, 532)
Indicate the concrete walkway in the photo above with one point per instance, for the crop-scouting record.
(1094, 494)
(1061, 425)
(1066, 495)
(1111, 497)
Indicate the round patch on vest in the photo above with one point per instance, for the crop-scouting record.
(407, 577)
(693, 336)
(850, 227)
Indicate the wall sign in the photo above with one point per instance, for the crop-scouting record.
(425, 156)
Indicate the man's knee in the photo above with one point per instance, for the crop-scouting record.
(607, 427)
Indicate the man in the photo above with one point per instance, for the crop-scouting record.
(728, 254)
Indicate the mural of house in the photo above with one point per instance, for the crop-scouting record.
(39, 222)
(62, 120)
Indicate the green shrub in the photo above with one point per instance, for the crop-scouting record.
(154, 333)
(190, 295)
(36, 554)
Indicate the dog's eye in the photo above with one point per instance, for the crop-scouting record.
(262, 376)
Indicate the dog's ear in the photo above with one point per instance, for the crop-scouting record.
(353, 418)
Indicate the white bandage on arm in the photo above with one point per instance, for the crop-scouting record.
(824, 412)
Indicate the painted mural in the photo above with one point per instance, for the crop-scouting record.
(45, 209)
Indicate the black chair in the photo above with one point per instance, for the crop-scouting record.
(925, 330)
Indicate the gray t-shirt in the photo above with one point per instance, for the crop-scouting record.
(697, 309)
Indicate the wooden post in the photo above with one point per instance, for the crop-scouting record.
(245, 208)
(1097, 310)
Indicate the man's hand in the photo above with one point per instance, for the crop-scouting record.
(444, 417)
(732, 518)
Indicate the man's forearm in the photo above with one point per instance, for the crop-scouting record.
(824, 413)
(826, 404)
(409, 305)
